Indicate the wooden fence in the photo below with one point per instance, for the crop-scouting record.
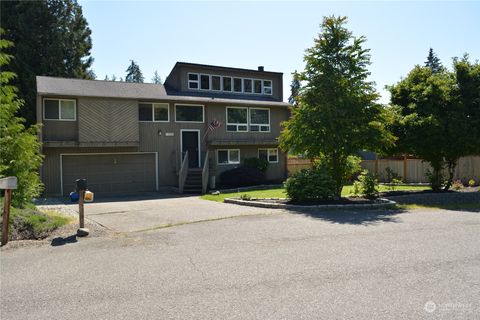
(411, 170)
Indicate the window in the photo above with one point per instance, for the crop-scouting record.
(59, 109)
(257, 86)
(247, 85)
(237, 84)
(267, 87)
(216, 83)
(192, 81)
(228, 156)
(271, 155)
(227, 84)
(237, 119)
(153, 112)
(188, 113)
(205, 82)
(259, 119)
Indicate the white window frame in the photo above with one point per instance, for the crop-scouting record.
(264, 87)
(261, 86)
(209, 82)
(60, 109)
(268, 154)
(243, 85)
(236, 124)
(259, 124)
(193, 81)
(231, 84)
(153, 111)
(228, 157)
(190, 104)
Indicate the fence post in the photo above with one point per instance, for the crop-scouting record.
(376, 164)
(405, 168)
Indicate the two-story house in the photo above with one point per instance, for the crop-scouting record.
(138, 137)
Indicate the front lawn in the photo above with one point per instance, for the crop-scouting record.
(279, 192)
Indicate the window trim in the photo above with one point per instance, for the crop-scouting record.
(241, 85)
(153, 111)
(259, 124)
(60, 109)
(190, 104)
(236, 124)
(209, 82)
(251, 85)
(194, 81)
(268, 156)
(261, 86)
(231, 84)
(271, 87)
(228, 157)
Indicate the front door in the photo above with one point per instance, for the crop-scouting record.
(190, 141)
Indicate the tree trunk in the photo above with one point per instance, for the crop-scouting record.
(451, 165)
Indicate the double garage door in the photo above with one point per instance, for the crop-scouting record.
(110, 174)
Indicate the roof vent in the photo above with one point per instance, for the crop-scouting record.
(260, 68)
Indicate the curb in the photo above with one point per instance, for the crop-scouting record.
(381, 203)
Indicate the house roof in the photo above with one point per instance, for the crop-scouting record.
(127, 90)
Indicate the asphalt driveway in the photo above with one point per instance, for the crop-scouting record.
(420, 264)
(130, 214)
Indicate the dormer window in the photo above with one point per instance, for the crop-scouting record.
(247, 85)
(216, 83)
(205, 82)
(257, 86)
(237, 84)
(192, 81)
(267, 87)
(227, 84)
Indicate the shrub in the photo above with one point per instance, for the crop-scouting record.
(310, 185)
(242, 176)
(245, 197)
(260, 164)
(394, 183)
(357, 188)
(457, 185)
(471, 183)
(369, 185)
(391, 175)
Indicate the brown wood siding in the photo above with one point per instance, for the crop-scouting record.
(60, 130)
(108, 120)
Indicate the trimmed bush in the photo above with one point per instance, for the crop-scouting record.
(260, 164)
(369, 185)
(309, 185)
(242, 176)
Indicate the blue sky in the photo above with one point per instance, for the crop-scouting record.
(248, 34)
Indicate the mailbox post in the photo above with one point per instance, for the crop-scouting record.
(81, 186)
(8, 184)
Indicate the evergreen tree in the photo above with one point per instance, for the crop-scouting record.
(106, 78)
(52, 38)
(134, 74)
(295, 89)
(19, 147)
(114, 78)
(337, 113)
(433, 62)
(156, 78)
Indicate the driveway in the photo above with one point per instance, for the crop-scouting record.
(421, 264)
(130, 214)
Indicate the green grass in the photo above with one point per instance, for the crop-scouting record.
(279, 192)
(450, 206)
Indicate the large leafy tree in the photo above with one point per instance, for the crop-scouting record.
(134, 74)
(19, 147)
(337, 113)
(52, 38)
(437, 117)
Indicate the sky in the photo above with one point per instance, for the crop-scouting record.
(275, 34)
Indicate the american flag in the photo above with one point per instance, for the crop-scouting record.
(215, 124)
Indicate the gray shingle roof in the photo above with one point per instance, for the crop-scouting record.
(115, 89)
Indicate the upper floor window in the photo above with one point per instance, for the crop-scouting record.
(260, 119)
(198, 81)
(237, 119)
(188, 113)
(204, 82)
(158, 112)
(59, 109)
(267, 87)
(271, 155)
(193, 81)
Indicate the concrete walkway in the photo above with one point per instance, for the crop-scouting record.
(145, 213)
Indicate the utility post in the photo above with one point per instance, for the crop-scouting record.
(8, 184)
